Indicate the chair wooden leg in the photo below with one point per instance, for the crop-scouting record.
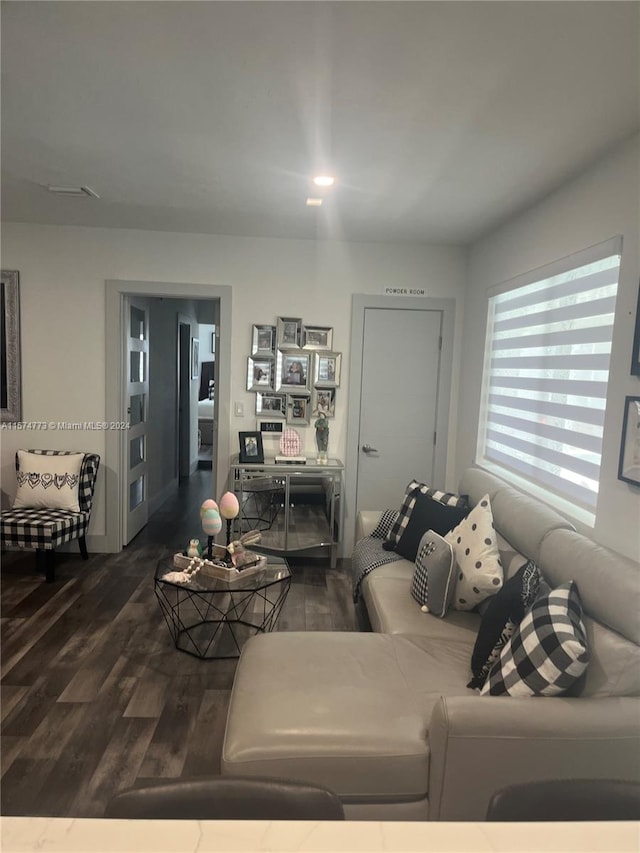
(83, 548)
(46, 559)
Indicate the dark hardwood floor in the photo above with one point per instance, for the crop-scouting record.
(94, 696)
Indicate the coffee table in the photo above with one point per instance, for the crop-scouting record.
(211, 618)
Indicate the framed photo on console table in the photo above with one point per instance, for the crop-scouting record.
(629, 464)
(251, 449)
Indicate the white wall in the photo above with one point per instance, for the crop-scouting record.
(599, 204)
(63, 273)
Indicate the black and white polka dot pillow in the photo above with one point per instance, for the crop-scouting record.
(478, 564)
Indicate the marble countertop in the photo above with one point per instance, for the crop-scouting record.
(67, 835)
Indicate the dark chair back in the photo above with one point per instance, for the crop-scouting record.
(227, 798)
(567, 799)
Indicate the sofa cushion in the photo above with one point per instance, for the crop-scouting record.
(479, 570)
(391, 609)
(547, 653)
(412, 492)
(433, 580)
(504, 612)
(346, 710)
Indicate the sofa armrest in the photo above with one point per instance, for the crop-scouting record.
(366, 522)
(480, 744)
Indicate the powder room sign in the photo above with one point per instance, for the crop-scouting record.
(404, 291)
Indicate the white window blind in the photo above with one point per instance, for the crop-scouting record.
(546, 374)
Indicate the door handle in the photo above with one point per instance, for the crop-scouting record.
(366, 448)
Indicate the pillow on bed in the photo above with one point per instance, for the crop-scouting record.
(48, 482)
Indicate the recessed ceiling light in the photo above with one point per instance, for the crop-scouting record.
(76, 192)
(314, 202)
(324, 181)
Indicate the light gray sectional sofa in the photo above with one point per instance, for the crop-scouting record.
(385, 719)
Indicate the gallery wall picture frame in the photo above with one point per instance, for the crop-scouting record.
(251, 447)
(10, 354)
(293, 370)
(298, 409)
(263, 341)
(273, 405)
(323, 400)
(317, 337)
(635, 357)
(326, 369)
(289, 332)
(195, 358)
(259, 374)
(629, 464)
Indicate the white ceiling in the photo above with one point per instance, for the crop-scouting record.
(440, 119)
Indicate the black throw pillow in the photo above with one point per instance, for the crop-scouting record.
(427, 514)
(504, 612)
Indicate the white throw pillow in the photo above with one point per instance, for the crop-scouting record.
(479, 569)
(48, 482)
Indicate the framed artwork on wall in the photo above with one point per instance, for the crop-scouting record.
(289, 330)
(251, 449)
(298, 409)
(292, 371)
(263, 341)
(629, 464)
(273, 405)
(635, 357)
(195, 358)
(327, 369)
(10, 384)
(323, 400)
(259, 374)
(317, 337)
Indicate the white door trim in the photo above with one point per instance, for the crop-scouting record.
(114, 439)
(359, 304)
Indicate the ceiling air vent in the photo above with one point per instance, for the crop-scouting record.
(79, 192)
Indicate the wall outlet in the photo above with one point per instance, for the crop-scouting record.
(239, 410)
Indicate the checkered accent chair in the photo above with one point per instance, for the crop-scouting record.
(45, 529)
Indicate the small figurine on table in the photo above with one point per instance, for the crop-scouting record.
(322, 437)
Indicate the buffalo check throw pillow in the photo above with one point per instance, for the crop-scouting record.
(547, 652)
(411, 494)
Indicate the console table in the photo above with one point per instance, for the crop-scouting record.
(296, 506)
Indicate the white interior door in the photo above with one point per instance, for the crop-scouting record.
(137, 407)
(401, 361)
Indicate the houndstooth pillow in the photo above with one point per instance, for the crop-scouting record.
(433, 579)
(547, 652)
(412, 491)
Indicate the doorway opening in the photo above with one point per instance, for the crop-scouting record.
(180, 341)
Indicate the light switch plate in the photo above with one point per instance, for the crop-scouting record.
(239, 410)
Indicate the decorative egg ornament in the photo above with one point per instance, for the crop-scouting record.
(229, 506)
(208, 504)
(211, 522)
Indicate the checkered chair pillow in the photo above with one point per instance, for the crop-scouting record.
(547, 653)
(412, 491)
(45, 529)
